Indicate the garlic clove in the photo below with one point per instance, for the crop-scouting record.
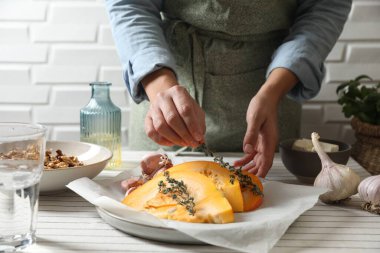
(150, 163)
(369, 191)
(341, 180)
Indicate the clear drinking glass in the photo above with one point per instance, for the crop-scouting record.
(22, 152)
(100, 122)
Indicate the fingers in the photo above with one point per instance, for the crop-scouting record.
(153, 134)
(169, 124)
(263, 169)
(165, 130)
(261, 160)
(259, 166)
(249, 166)
(268, 142)
(195, 123)
(250, 139)
(254, 171)
(175, 118)
(244, 160)
(261, 136)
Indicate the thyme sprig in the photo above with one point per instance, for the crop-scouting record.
(244, 180)
(203, 148)
(177, 191)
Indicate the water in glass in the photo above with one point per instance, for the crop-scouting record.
(22, 150)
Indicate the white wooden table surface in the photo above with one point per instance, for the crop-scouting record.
(68, 223)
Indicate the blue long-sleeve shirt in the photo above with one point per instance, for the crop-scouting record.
(142, 46)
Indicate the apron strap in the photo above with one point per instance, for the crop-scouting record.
(185, 38)
(199, 66)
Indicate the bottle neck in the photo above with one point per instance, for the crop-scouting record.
(100, 91)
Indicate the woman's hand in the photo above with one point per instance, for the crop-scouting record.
(261, 136)
(174, 117)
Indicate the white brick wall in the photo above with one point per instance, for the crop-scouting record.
(357, 52)
(12, 10)
(63, 33)
(50, 51)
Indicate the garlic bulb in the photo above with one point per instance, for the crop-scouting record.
(340, 179)
(369, 191)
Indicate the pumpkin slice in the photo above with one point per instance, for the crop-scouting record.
(220, 177)
(241, 199)
(252, 200)
(210, 204)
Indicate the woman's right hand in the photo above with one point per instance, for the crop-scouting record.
(174, 117)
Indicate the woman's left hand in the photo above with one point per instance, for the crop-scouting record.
(261, 136)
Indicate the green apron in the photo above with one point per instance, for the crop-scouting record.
(222, 49)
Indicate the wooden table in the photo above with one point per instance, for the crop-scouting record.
(67, 223)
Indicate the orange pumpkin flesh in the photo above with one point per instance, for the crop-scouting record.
(210, 205)
(208, 182)
(250, 199)
(241, 200)
(220, 177)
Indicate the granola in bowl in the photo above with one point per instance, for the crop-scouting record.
(66, 161)
(60, 160)
(57, 161)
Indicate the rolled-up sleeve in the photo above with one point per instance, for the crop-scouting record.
(316, 29)
(140, 41)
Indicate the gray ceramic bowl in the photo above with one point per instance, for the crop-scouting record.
(307, 165)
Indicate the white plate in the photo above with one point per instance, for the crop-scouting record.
(93, 156)
(144, 231)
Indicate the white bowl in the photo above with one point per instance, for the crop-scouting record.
(93, 156)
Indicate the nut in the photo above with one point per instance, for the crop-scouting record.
(60, 160)
(50, 162)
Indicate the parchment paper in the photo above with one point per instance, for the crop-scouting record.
(256, 231)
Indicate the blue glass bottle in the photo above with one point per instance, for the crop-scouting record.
(100, 122)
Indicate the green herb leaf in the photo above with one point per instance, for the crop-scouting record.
(244, 180)
(360, 100)
(359, 78)
(178, 192)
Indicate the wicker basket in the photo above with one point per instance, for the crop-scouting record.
(366, 150)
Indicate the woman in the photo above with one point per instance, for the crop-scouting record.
(220, 63)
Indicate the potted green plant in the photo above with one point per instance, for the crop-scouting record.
(360, 99)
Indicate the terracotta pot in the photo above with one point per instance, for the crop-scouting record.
(366, 150)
